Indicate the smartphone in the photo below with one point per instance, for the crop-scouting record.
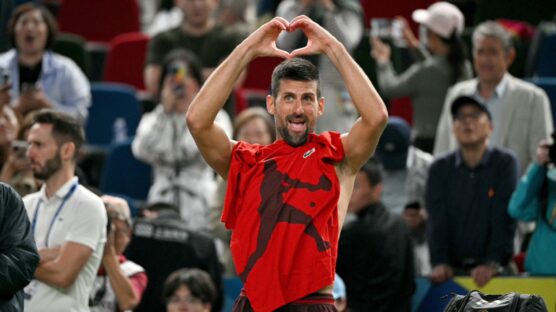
(178, 71)
(4, 76)
(19, 149)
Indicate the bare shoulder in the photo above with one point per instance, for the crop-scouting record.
(346, 179)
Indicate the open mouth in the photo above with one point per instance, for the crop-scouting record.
(29, 38)
(297, 124)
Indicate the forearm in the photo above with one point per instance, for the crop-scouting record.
(52, 273)
(212, 96)
(126, 296)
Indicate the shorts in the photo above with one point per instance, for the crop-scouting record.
(315, 302)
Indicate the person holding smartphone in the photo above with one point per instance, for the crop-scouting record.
(38, 77)
(440, 65)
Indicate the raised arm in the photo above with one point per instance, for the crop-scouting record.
(214, 144)
(360, 142)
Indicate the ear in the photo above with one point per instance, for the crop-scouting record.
(270, 105)
(67, 151)
(510, 56)
(321, 106)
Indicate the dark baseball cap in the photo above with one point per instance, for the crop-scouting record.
(468, 100)
(394, 143)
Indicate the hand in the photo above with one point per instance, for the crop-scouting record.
(32, 100)
(380, 51)
(407, 33)
(109, 249)
(482, 274)
(262, 42)
(441, 273)
(49, 254)
(319, 40)
(543, 156)
(5, 96)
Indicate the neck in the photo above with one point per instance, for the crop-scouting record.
(473, 154)
(487, 88)
(56, 181)
(198, 30)
(30, 59)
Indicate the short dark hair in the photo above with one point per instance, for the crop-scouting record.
(49, 20)
(193, 64)
(197, 281)
(373, 170)
(65, 128)
(297, 69)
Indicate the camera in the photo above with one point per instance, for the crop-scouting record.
(386, 29)
(177, 70)
(19, 149)
(552, 150)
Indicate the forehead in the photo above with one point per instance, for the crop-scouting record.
(40, 131)
(34, 14)
(488, 42)
(297, 86)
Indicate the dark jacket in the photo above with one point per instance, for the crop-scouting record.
(375, 259)
(164, 245)
(18, 252)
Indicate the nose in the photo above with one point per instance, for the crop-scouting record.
(298, 108)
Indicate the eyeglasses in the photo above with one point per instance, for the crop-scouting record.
(189, 300)
(472, 116)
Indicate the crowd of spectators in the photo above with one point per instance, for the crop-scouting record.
(442, 196)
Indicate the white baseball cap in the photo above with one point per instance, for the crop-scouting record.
(443, 18)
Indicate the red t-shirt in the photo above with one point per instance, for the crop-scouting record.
(281, 205)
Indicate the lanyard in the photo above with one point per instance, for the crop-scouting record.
(64, 200)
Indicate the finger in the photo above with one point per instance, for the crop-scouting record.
(300, 22)
(281, 53)
(280, 22)
(302, 51)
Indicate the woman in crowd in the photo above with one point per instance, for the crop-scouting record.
(426, 82)
(40, 78)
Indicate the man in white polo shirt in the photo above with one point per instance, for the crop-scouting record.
(68, 221)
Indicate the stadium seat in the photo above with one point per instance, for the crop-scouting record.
(126, 58)
(99, 20)
(73, 47)
(546, 62)
(110, 102)
(124, 174)
(257, 82)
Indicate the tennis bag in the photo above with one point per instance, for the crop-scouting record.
(475, 301)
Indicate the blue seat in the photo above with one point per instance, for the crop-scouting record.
(546, 62)
(110, 102)
(124, 174)
(549, 86)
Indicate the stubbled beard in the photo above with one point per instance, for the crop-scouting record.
(51, 166)
(293, 140)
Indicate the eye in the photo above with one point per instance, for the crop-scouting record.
(288, 97)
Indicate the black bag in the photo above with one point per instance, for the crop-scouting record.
(475, 301)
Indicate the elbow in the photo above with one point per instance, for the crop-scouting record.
(194, 123)
(62, 281)
(129, 304)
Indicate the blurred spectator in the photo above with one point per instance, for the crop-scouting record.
(16, 170)
(534, 200)
(17, 250)
(520, 111)
(239, 14)
(415, 217)
(9, 126)
(199, 32)
(375, 254)
(120, 282)
(468, 191)
(6, 8)
(427, 81)
(39, 77)
(189, 290)
(344, 20)
(181, 176)
(406, 167)
(68, 221)
(339, 294)
(161, 243)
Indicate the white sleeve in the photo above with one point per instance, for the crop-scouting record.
(89, 227)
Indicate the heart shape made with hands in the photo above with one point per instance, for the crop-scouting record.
(300, 23)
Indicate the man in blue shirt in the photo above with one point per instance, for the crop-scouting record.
(470, 231)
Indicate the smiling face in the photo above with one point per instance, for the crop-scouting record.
(296, 108)
(31, 32)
